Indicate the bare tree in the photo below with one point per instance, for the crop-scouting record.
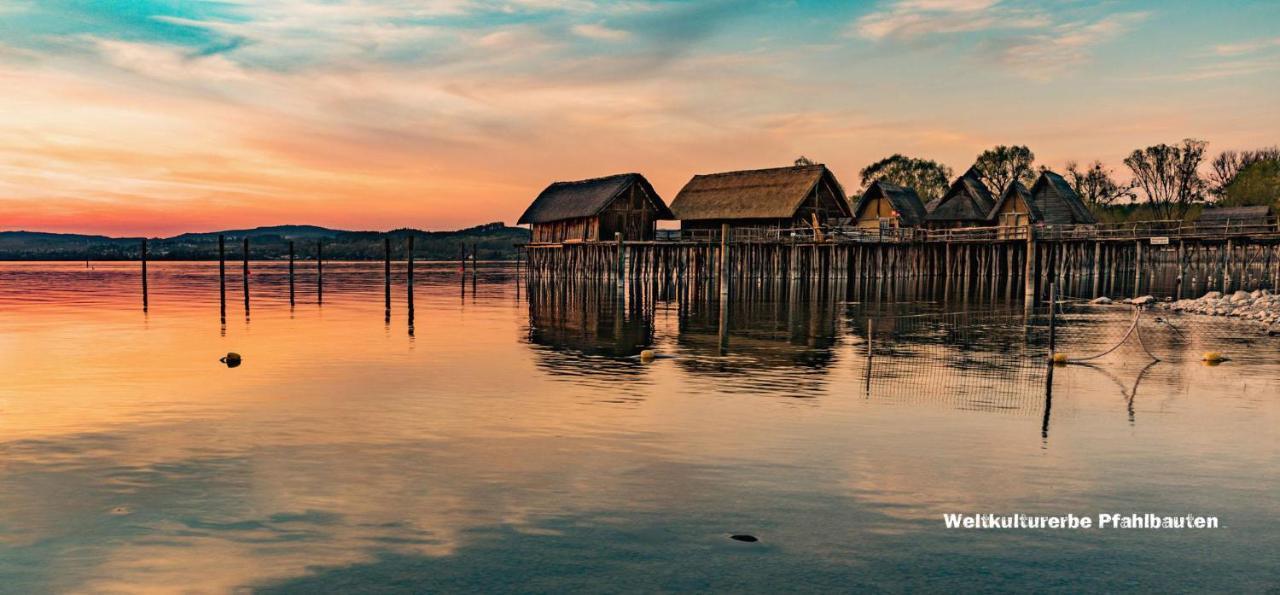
(929, 179)
(1002, 164)
(1169, 176)
(1228, 164)
(1096, 185)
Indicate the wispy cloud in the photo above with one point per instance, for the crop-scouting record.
(1061, 48)
(600, 32)
(1246, 47)
(1024, 38)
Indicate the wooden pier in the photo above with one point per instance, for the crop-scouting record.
(1083, 261)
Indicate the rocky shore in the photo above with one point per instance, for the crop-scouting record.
(1260, 306)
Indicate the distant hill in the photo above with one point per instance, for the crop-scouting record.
(492, 241)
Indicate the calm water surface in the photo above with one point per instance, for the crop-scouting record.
(510, 444)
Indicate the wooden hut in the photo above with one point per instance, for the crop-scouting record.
(781, 197)
(596, 209)
(1015, 209)
(886, 206)
(1258, 218)
(967, 203)
(1056, 203)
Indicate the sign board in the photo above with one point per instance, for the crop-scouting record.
(1160, 241)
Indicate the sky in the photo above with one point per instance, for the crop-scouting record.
(163, 116)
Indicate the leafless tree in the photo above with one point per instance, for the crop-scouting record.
(1096, 186)
(1169, 177)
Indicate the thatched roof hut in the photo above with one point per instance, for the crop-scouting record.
(776, 197)
(1057, 203)
(1250, 216)
(595, 209)
(883, 200)
(967, 202)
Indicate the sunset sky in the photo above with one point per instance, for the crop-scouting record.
(162, 116)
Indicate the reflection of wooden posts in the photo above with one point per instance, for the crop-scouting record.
(1052, 320)
(1097, 267)
(386, 274)
(222, 277)
(871, 328)
(619, 262)
(244, 275)
(723, 331)
(291, 259)
(462, 258)
(144, 275)
(1137, 268)
(1182, 267)
(724, 261)
(319, 272)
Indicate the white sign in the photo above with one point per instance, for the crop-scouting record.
(1160, 241)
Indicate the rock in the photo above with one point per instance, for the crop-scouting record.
(232, 359)
(1212, 295)
(1142, 301)
(1104, 300)
(746, 538)
(1274, 330)
(1240, 296)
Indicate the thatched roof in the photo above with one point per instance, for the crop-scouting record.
(1237, 214)
(1016, 189)
(774, 193)
(1057, 202)
(587, 198)
(966, 201)
(904, 201)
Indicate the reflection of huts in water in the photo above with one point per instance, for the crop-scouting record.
(595, 210)
(967, 203)
(1256, 218)
(886, 206)
(588, 319)
(777, 198)
(773, 330)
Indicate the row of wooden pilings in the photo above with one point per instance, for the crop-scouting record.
(319, 260)
(1080, 268)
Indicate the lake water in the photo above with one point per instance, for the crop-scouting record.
(510, 444)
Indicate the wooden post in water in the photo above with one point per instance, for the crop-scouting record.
(144, 275)
(319, 271)
(291, 258)
(724, 261)
(245, 276)
(462, 258)
(1226, 268)
(386, 274)
(222, 277)
(1029, 281)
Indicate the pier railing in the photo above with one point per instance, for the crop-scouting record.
(1139, 230)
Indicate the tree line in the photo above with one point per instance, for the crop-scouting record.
(1166, 181)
